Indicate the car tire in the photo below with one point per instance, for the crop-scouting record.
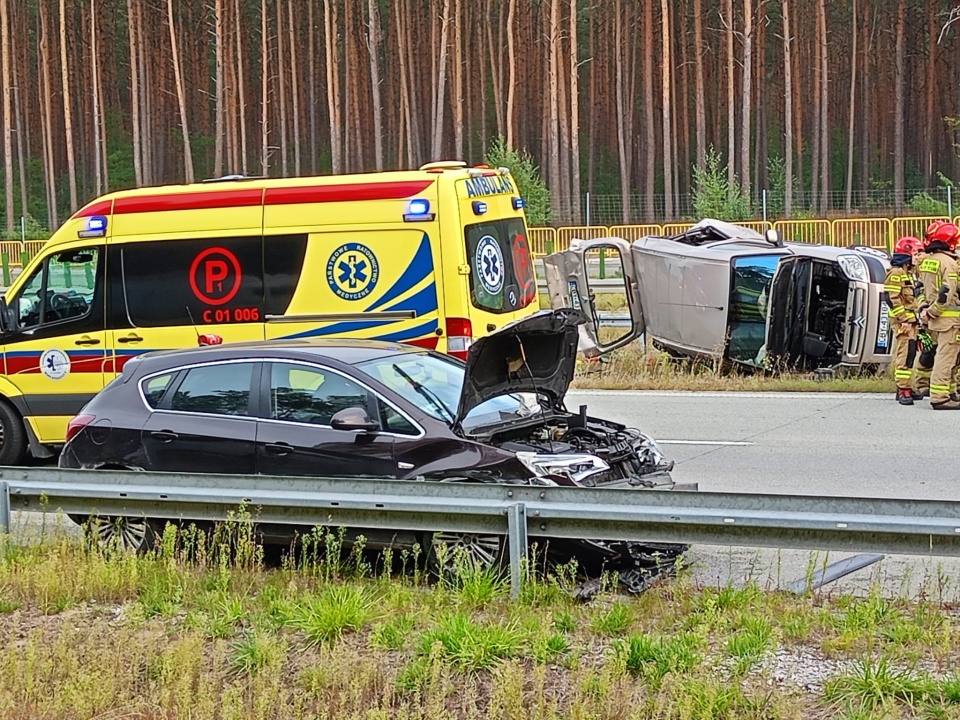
(481, 550)
(13, 436)
(136, 534)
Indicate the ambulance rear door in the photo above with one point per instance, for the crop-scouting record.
(498, 282)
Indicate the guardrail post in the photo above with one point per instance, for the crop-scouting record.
(24, 258)
(5, 259)
(517, 536)
(549, 246)
(603, 265)
(4, 507)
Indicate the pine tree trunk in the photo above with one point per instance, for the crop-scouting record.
(854, 31)
(622, 104)
(899, 92)
(264, 89)
(373, 40)
(282, 93)
(667, 104)
(700, 100)
(731, 97)
(817, 84)
(21, 84)
(436, 148)
(788, 110)
(46, 114)
(650, 151)
(456, 85)
(295, 91)
(67, 108)
(7, 89)
(824, 113)
(747, 93)
(312, 85)
(181, 95)
(574, 115)
(218, 88)
(930, 138)
(241, 92)
(406, 134)
(512, 72)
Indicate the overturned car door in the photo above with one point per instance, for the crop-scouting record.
(572, 282)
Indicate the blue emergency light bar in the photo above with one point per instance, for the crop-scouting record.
(96, 227)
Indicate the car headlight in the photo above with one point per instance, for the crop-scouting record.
(576, 466)
(854, 267)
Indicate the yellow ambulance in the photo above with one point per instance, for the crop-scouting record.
(433, 257)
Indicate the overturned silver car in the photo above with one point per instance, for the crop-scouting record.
(726, 292)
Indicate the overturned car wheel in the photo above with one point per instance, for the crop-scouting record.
(449, 552)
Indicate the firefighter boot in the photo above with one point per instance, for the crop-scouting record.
(904, 396)
(946, 405)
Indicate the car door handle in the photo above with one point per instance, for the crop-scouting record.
(164, 435)
(87, 341)
(278, 448)
(130, 339)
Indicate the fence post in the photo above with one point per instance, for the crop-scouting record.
(23, 229)
(24, 258)
(603, 265)
(949, 202)
(517, 540)
(5, 508)
(549, 246)
(764, 206)
(588, 209)
(5, 259)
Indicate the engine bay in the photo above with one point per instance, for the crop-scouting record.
(626, 455)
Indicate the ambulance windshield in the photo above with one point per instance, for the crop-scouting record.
(501, 267)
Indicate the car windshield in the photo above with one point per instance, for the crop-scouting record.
(433, 383)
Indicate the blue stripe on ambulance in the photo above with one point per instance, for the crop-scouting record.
(420, 268)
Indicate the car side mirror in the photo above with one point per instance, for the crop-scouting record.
(353, 418)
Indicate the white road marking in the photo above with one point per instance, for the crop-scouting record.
(731, 394)
(738, 443)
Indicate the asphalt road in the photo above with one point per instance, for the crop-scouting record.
(804, 444)
(797, 443)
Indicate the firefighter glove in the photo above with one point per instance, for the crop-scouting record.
(925, 341)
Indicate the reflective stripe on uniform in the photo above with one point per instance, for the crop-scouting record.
(903, 374)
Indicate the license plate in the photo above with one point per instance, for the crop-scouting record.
(883, 331)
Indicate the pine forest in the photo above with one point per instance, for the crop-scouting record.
(832, 107)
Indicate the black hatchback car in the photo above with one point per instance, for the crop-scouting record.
(357, 408)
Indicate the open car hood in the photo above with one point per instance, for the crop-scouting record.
(537, 354)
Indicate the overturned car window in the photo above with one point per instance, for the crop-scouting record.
(749, 304)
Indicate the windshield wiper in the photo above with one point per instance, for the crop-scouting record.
(425, 392)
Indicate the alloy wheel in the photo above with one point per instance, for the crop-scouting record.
(480, 551)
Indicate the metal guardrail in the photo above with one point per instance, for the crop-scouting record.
(918, 527)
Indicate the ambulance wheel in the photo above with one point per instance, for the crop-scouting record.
(13, 436)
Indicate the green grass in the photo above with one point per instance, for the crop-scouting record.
(194, 632)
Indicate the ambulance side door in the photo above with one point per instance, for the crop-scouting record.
(56, 349)
(173, 290)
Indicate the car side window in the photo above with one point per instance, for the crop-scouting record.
(61, 289)
(395, 422)
(221, 389)
(311, 395)
(155, 387)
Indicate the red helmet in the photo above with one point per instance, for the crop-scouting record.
(931, 229)
(946, 233)
(908, 245)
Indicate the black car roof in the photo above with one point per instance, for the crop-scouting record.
(344, 350)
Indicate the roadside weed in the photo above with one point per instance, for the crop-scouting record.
(252, 652)
(614, 621)
(653, 657)
(748, 645)
(872, 685)
(336, 610)
(393, 634)
(471, 645)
